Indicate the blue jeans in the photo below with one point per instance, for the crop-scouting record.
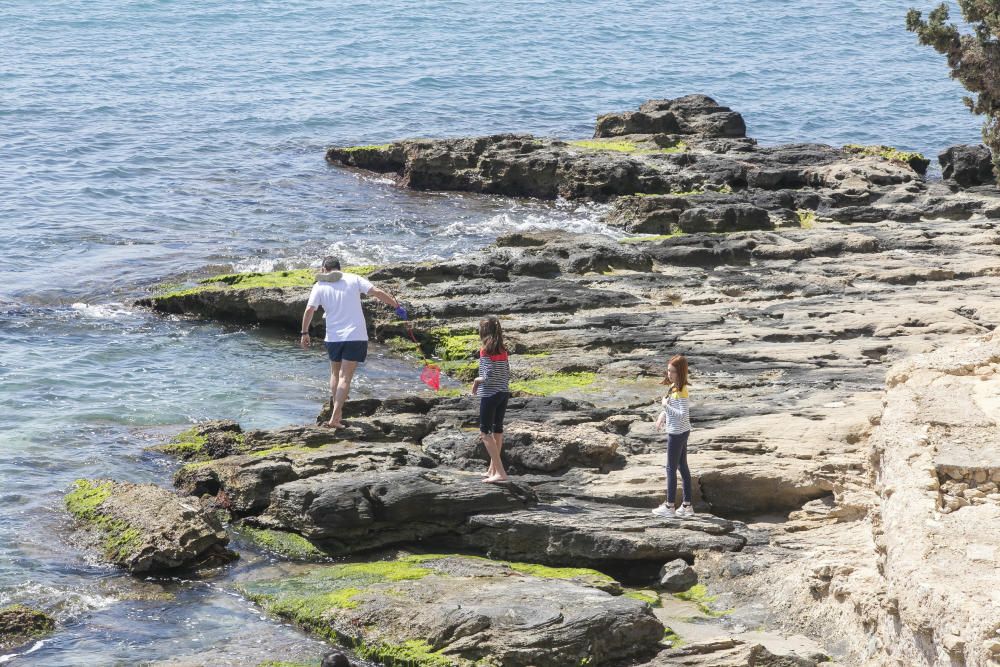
(677, 457)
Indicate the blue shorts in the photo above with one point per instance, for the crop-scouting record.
(348, 350)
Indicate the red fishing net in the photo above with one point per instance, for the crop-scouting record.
(431, 376)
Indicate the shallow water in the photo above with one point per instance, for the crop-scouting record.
(153, 140)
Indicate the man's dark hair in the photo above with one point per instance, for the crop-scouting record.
(331, 263)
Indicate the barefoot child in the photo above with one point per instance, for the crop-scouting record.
(493, 389)
(678, 426)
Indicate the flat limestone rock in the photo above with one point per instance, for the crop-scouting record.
(246, 482)
(353, 512)
(453, 610)
(144, 528)
(529, 447)
(939, 513)
(597, 535)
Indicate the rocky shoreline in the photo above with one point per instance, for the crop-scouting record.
(794, 277)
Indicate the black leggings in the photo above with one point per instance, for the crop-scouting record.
(491, 412)
(677, 457)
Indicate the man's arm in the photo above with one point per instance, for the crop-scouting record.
(307, 318)
(384, 297)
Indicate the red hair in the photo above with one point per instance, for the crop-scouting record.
(680, 364)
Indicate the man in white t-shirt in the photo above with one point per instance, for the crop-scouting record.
(339, 294)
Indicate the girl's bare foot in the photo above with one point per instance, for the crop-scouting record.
(335, 425)
(496, 478)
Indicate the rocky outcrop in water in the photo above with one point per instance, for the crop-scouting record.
(967, 166)
(144, 528)
(817, 503)
(438, 610)
(20, 625)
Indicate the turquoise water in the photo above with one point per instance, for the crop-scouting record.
(151, 140)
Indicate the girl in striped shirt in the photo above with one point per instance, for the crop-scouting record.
(678, 426)
(493, 389)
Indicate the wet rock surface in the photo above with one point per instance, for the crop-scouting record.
(145, 528)
(20, 625)
(437, 610)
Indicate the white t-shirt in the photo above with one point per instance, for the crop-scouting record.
(341, 302)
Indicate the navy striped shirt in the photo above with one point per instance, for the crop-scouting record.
(494, 374)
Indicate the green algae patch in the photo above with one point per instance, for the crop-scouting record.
(289, 545)
(582, 575)
(186, 444)
(464, 371)
(913, 159)
(416, 652)
(672, 637)
(298, 278)
(698, 594)
(279, 449)
(340, 602)
(403, 346)
(119, 539)
(366, 147)
(622, 146)
(20, 624)
(807, 218)
(547, 385)
(259, 280)
(190, 444)
(455, 345)
(86, 496)
(546, 572)
(650, 598)
(309, 600)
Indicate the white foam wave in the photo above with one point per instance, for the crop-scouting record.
(256, 265)
(580, 222)
(106, 311)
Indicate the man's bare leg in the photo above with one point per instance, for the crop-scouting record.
(342, 391)
(334, 381)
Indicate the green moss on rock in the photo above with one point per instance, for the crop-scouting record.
(289, 545)
(546, 572)
(807, 218)
(913, 159)
(698, 594)
(119, 539)
(366, 147)
(455, 345)
(415, 652)
(83, 501)
(624, 146)
(547, 385)
(20, 624)
(649, 597)
(260, 280)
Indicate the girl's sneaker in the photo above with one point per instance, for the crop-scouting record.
(664, 510)
(685, 510)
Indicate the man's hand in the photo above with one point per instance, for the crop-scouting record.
(305, 342)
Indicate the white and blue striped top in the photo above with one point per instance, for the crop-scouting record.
(675, 408)
(494, 374)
